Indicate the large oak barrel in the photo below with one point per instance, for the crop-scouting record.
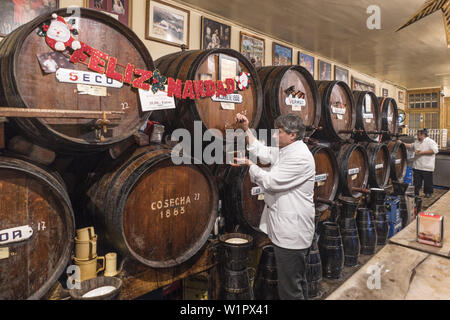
(367, 116)
(379, 164)
(327, 176)
(31, 198)
(159, 213)
(243, 203)
(206, 65)
(398, 160)
(353, 169)
(389, 116)
(25, 85)
(338, 115)
(289, 89)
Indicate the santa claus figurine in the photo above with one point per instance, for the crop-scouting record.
(59, 35)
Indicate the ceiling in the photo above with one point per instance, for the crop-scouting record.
(415, 57)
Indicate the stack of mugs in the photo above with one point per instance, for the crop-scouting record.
(86, 257)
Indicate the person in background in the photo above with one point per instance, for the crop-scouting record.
(425, 150)
(288, 216)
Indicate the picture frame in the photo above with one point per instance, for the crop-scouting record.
(228, 67)
(385, 93)
(11, 19)
(215, 35)
(341, 74)
(118, 9)
(401, 97)
(174, 31)
(307, 62)
(361, 85)
(324, 71)
(281, 55)
(252, 47)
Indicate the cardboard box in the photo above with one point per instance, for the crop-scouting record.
(430, 229)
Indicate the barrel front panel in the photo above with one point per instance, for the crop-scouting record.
(30, 265)
(382, 168)
(398, 156)
(391, 117)
(43, 91)
(357, 173)
(219, 115)
(326, 175)
(252, 205)
(168, 213)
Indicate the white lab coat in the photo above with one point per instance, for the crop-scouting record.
(425, 162)
(288, 217)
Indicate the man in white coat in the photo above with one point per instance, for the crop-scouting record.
(425, 156)
(288, 217)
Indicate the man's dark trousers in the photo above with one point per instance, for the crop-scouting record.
(423, 176)
(291, 271)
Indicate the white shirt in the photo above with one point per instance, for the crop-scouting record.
(288, 217)
(425, 162)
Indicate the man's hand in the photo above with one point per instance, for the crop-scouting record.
(241, 162)
(242, 121)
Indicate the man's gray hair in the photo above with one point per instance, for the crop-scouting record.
(291, 123)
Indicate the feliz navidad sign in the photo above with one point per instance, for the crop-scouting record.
(59, 36)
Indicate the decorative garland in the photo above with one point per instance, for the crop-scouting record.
(58, 36)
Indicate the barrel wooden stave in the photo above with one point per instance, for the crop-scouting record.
(367, 116)
(379, 164)
(204, 65)
(398, 160)
(137, 204)
(26, 86)
(389, 116)
(31, 195)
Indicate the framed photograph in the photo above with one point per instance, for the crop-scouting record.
(13, 13)
(215, 35)
(385, 93)
(361, 85)
(253, 47)
(341, 74)
(167, 24)
(401, 97)
(324, 70)
(306, 62)
(118, 9)
(281, 55)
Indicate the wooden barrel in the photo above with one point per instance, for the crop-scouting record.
(314, 270)
(367, 116)
(266, 281)
(159, 213)
(398, 160)
(379, 164)
(338, 115)
(389, 116)
(243, 203)
(25, 85)
(349, 231)
(331, 251)
(327, 176)
(367, 232)
(31, 198)
(236, 285)
(205, 65)
(353, 169)
(289, 89)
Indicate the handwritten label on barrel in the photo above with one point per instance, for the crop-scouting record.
(353, 171)
(397, 161)
(230, 98)
(17, 234)
(155, 101)
(296, 103)
(174, 206)
(321, 177)
(379, 166)
(85, 77)
(367, 115)
(338, 110)
(4, 253)
(256, 190)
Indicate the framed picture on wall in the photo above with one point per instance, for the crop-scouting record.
(360, 85)
(401, 97)
(167, 24)
(341, 74)
(253, 47)
(215, 35)
(281, 55)
(13, 14)
(385, 93)
(324, 70)
(306, 62)
(118, 9)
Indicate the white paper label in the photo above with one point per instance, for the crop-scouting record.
(368, 120)
(4, 253)
(321, 177)
(15, 234)
(256, 190)
(85, 77)
(338, 110)
(155, 101)
(340, 116)
(354, 176)
(389, 119)
(261, 196)
(296, 103)
(229, 98)
(379, 166)
(227, 106)
(368, 101)
(367, 115)
(397, 161)
(353, 171)
(92, 90)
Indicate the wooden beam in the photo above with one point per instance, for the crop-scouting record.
(54, 113)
